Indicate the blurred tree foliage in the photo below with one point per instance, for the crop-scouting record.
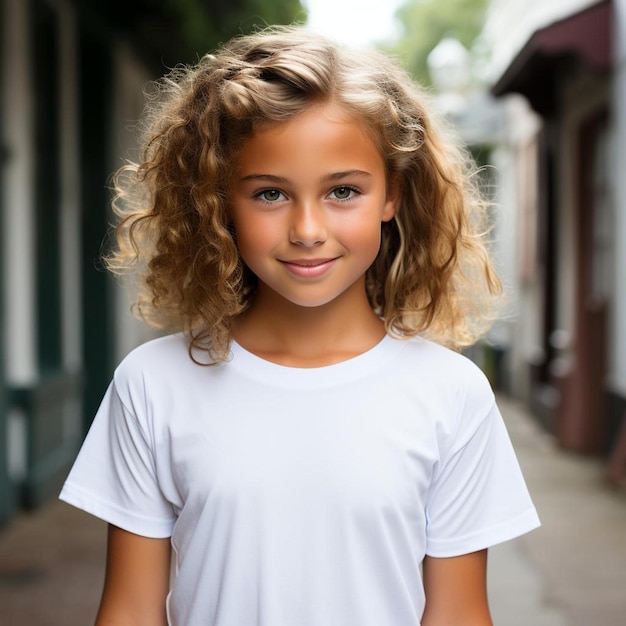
(426, 22)
(167, 32)
(206, 23)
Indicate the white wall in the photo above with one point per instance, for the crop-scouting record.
(524, 129)
(18, 236)
(18, 245)
(511, 23)
(514, 160)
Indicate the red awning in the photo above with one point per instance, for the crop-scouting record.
(583, 37)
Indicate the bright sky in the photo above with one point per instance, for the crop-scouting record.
(357, 23)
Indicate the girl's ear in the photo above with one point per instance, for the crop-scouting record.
(392, 202)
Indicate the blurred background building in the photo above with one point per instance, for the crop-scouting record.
(72, 74)
(559, 68)
(537, 89)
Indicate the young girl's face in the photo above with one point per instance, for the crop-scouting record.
(307, 203)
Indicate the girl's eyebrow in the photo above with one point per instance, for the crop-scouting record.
(328, 177)
(339, 175)
(269, 177)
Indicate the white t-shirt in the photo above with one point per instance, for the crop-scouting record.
(302, 497)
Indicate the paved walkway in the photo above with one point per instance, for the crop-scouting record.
(570, 572)
(51, 568)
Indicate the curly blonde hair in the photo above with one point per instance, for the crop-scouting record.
(432, 274)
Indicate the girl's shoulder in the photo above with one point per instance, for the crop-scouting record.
(438, 361)
(163, 358)
(445, 372)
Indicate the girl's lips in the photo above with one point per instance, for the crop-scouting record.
(309, 268)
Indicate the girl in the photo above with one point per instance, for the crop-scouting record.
(304, 446)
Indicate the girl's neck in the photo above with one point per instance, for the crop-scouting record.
(296, 336)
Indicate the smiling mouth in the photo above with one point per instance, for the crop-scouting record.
(309, 268)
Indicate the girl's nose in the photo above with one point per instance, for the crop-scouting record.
(308, 227)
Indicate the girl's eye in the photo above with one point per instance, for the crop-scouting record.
(343, 193)
(270, 195)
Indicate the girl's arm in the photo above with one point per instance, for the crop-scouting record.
(456, 590)
(136, 582)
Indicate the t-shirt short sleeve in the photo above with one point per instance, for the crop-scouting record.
(114, 476)
(478, 497)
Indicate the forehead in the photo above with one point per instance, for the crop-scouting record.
(322, 132)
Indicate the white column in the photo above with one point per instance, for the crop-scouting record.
(18, 236)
